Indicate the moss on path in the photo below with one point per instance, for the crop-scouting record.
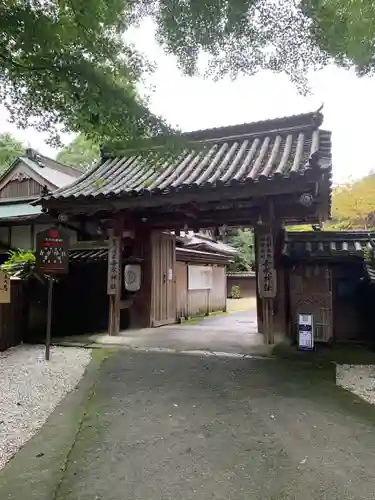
(167, 426)
(36, 471)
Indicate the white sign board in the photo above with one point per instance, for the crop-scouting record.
(199, 277)
(305, 332)
(113, 266)
(132, 277)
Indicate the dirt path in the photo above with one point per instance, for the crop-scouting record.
(164, 427)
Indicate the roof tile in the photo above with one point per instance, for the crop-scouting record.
(244, 153)
(326, 243)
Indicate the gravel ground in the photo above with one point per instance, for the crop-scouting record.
(31, 388)
(359, 379)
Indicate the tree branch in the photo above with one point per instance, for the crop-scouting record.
(16, 64)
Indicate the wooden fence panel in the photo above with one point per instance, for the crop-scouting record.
(218, 294)
(197, 302)
(13, 317)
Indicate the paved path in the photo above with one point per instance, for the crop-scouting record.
(242, 322)
(229, 333)
(168, 426)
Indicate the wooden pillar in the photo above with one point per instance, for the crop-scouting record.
(115, 275)
(266, 274)
(280, 309)
(258, 297)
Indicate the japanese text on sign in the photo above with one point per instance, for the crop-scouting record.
(52, 251)
(4, 288)
(113, 266)
(266, 269)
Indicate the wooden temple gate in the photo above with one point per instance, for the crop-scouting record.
(261, 175)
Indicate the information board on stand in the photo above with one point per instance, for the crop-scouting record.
(51, 259)
(305, 332)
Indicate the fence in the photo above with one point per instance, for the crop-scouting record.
(13, 317)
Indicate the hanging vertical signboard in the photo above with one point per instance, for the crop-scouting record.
(4, 288)
(52, 251)
(113, 265)
(305, 332)
(267, 282)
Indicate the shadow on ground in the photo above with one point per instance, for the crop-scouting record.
(167, 426)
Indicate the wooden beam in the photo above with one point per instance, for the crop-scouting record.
(241, 191)
(244, 191)
(230, 219)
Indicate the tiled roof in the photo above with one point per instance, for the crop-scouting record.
(326, 243)
(200, 242)
(190, 254)
(330, 244)
(370, 270)
(88, 255)
(245, 154)
(85, 255)
(55, 177)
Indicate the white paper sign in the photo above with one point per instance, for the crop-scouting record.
(199, 277)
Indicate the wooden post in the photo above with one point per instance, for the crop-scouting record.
(266, 273)
(50, 280)
(115, 275)
(260, 312)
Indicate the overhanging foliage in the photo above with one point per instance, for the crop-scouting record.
(66, 62)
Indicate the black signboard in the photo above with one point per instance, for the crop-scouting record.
(52, 251)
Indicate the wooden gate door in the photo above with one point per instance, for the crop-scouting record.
(311, 293)
(163, 301)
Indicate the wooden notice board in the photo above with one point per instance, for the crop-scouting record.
(52, 251)
(4, 288)
(267, 278)
(114, 265)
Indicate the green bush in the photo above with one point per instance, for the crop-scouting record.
(235, 292)
(20, 263)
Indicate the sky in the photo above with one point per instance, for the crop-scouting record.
(196, 103)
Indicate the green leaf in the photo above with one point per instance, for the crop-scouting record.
(81, 153)
(243, 241)
(10, 148)
(65, 62)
